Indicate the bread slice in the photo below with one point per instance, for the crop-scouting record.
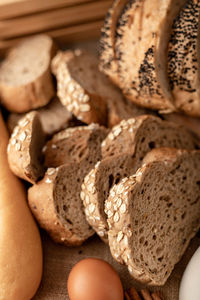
(25, 148)
(141, 49)
(158, 215)
(183, 59)
(25, 78)
(108, 63)
(78, 144)
(96, 187)
(54, 201)
(123, 151)
(54, 117)
(88, 93)
(139, 135)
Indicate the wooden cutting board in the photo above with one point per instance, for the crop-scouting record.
(58, 261)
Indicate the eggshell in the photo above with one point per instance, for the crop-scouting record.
(190, 283)
(94, 279)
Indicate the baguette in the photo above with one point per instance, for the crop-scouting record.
(21, 251)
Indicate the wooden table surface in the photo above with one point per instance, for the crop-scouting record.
(58, 261)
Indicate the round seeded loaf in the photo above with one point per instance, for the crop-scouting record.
(143, 35)
(160, 206)
(25, 77)
(123, 151)
(25, 148)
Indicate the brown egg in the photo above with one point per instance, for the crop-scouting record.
(94, 279)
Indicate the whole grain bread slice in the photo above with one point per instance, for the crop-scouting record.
(143, 33)
(25, 148)
(54, 117)
(69, 156)
(88, 93)
(54, 201)
(78, 144)
(183, 59)
(123, 151)
(108, 63)
(139, 135)
(25, 77)
(96, 186)
(159, 206)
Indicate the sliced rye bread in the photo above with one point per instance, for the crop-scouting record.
(25, 76)
(88, 93)
(143, 33)
(160, 207)
(183, 59)
(96, 187)
(78, 144)
(108, 63)
(123, 151)
(139, 135)
(54, 117)
(71, 154)
(25, 148)
(55, 205)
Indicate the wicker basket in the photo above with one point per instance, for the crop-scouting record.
(67, 21)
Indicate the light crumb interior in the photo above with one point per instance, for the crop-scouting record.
(165, 212)
(68, 204)
(27, 61)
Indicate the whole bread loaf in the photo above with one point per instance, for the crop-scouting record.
(158, 214)
(25, 77)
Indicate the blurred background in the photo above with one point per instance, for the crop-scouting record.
(67, 21)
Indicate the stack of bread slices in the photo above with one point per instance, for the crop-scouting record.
(99, 163)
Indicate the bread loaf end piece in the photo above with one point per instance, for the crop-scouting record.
(25, 77)
(25, 148)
